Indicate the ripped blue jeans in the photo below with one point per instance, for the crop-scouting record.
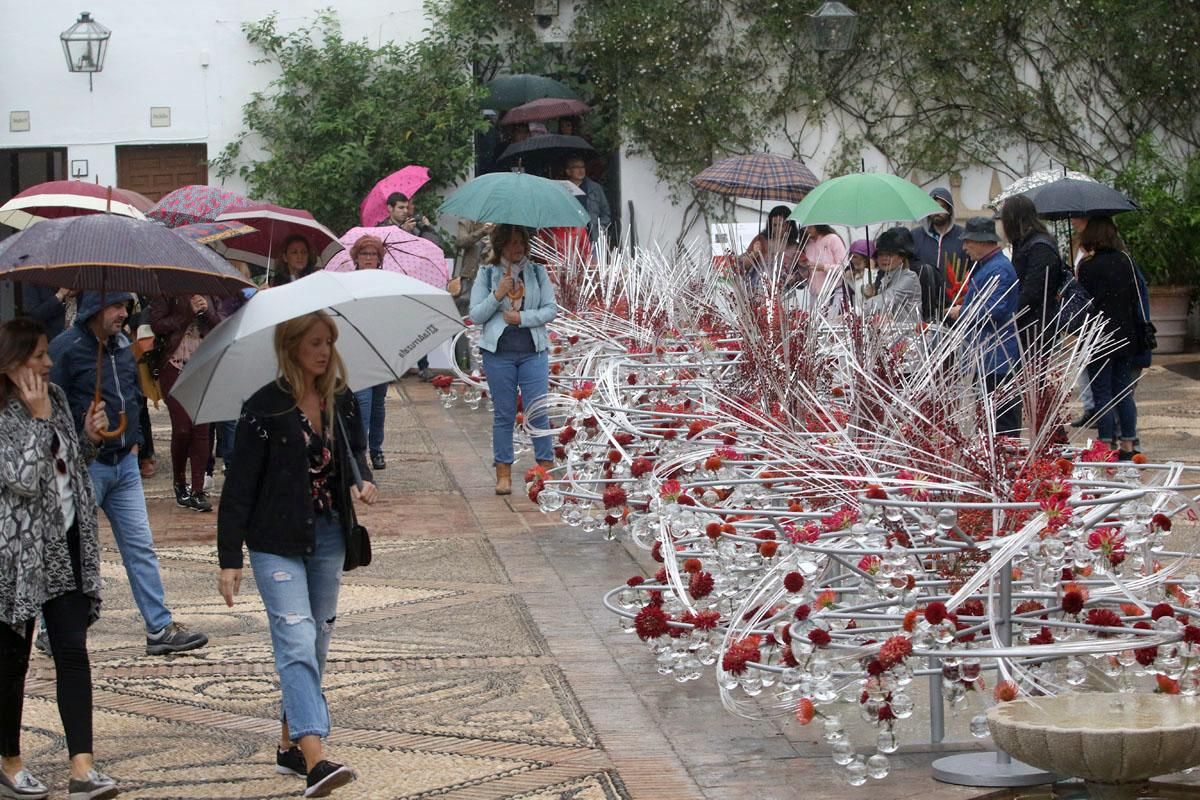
(300, 594)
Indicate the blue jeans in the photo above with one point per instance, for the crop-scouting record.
(1113, 377)
(506, 372)
(300, 594)
(119, 492)
(371, 404)
(225, 435)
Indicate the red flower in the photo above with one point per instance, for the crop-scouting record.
(1044, 636)
(971, 608)
(1104, 618)
(651, 622)
(640, 467)
(819, 636)
(692, 565)
(712, 463)
(700, 585)
(1160, 522)
(1191, 634)
(895, 650)
(671, 489)
(442, 382)
(885, 713)
(739, 654)
(802, 612)
(1166, 685)
(1072, 602)
(566, 435)
(706, 620)
(712, 530)
(768, 549)
(935, 612)
(876, 493)
(805, 711)
(1162, 610)
(636, 580)
(793, 582)
(582, 390)
(614, 496)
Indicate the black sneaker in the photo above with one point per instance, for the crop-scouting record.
(1127, 455)
(1082, 420)
(182, 495)
(327, 776)
(98, 786)
(175, 638)
(198, 502)
(377, 461)
(290, 762)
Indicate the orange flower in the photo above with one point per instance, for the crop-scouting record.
(1005, 691)
(805, 711)
(826, 599)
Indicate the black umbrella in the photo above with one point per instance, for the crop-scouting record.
(547, 147)
(510, 91)
(102, 252)
(1069, 197)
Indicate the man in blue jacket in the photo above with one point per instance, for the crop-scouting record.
(938, 239)
(991, 301)
(115, 473)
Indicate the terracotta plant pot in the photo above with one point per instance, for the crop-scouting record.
(1168, 312)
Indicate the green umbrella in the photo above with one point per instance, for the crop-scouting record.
(517, 198)
(510, 91)
(864, 198)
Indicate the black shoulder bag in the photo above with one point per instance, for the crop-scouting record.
(1147, 334)
(358, 543)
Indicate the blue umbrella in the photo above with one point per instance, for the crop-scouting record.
(515, 198)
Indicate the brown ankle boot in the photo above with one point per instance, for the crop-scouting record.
(546, 464)
(504, 479)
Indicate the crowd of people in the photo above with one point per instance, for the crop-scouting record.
(304, 450)
(940, 270)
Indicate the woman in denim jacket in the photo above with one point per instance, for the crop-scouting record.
(513, 301)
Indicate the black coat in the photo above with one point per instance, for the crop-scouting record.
(1110, 278)
(1039, 280)
(42, 303)
(267, 501)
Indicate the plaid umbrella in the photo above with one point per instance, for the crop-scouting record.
(109, 252)
(404, 253)
(760, 176)
(55, 199)
(544, 108)
(189, 205)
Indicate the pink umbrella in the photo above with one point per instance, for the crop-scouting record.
(407, 254)
(544, 108)
(406, 180)
(274, 224)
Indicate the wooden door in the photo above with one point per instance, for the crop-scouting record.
(155, 170)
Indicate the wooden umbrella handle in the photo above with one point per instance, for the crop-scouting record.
(122, 420)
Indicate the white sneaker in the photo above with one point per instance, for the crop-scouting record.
(208, 482)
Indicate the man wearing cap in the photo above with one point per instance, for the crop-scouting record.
(896, 291)
(114, 472)
(991, 294)
(938, 241)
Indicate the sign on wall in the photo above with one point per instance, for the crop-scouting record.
(160, 116)
(18, 121)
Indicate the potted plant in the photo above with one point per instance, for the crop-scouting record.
(1164, 236)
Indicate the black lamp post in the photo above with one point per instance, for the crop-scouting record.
(85, 44)
(831, 28)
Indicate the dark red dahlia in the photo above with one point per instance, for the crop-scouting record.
(1162, 610)
(636, 580)
(935, 612)
(1191, 634)
(1104, 618)
(802, 612)
(793, 582)
(1072, 602)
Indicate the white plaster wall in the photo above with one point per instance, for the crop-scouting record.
(155, 58)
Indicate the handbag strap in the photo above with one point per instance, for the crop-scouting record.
(1137, 292)
(354, 470)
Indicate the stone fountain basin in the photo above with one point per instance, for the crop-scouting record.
(1101, 738)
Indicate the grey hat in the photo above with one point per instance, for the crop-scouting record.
(980, 229)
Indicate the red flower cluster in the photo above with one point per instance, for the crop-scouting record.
(894, 650)
(700, 585)
(1073, 601)
(820, 637)
(442, 382)
(651, 622)
(614, 496)
(1104, 618)
(640, 467)
(739, 654)
(935, 612)
(793, 582)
